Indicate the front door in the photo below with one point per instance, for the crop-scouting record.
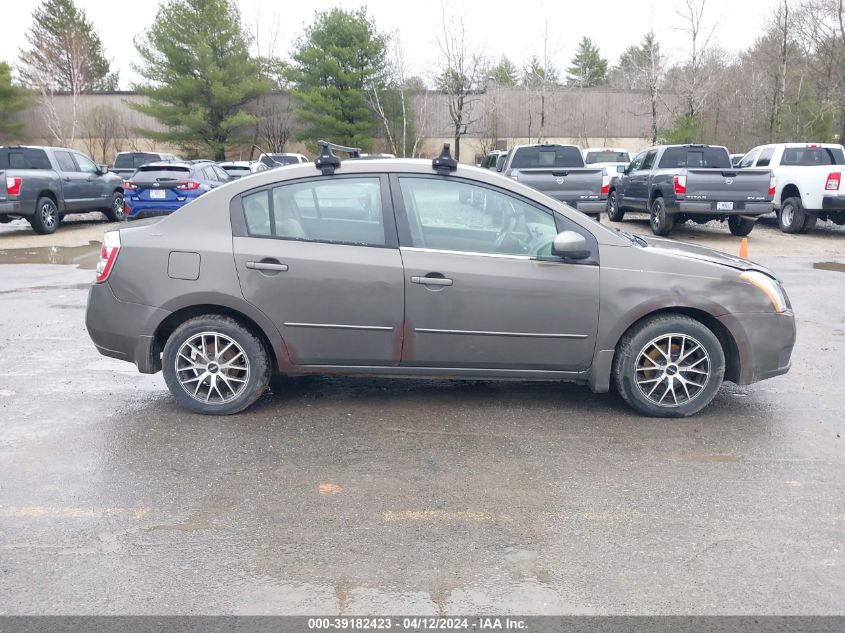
(73, 181)
(636, 193)
(93, 185)
(321, 259)
(481, 290)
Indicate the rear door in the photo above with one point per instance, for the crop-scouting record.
(73, 181)
(320, 257)
(480, 289)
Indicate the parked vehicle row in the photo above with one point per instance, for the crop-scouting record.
(384, 268)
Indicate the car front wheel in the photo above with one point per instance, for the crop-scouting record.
(669, 366)
(214, 365)
(117, 211)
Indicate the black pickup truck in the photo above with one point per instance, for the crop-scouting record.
(558, 171)
(676, 183)
(43, 184)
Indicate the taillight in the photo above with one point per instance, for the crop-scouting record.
(833, 181)
(108, 253)
(128, 185)
(680, 183)
(605, 184)
(13, 185)
(188, 185)
(772, 185)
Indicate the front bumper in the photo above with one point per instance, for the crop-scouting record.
(123, 330)
(764, 342)
(708, 207)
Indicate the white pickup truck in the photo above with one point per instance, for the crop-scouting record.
(810, 182)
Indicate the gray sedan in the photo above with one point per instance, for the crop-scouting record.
(387, 268)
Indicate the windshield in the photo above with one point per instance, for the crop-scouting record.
(607, 156)
(157, 173)
(695, 157)
(274, 160)
(547, 156)
(808, 156)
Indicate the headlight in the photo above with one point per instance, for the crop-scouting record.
(769, 287)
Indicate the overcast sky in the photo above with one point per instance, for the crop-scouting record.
(513, 27)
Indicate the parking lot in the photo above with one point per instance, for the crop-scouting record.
(354, 495)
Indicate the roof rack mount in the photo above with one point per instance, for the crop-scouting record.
(327, 162)
(444, 164)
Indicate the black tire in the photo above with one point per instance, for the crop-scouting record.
(638, 342)
(614, 213)
(660, 221)
(249, 383)
(739, 225)
(809, 222)
(46, 219)
(791, 217)
(117, 211)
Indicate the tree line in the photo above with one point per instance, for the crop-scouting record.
(212, 84)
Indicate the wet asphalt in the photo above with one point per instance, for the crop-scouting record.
(389, 496)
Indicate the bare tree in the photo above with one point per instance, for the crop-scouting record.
(461, 75)
(102, 128)
(539, 76)
(693, 77)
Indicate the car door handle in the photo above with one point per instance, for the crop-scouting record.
(431, 281)
(67, 179)
(267, 266)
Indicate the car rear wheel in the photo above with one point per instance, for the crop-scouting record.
(661, 222)
(214, 365)
(614, 213)
(46, 219)
(739, 225)
(117, 211)
(810, 222)
(791, 217)
(669, 366)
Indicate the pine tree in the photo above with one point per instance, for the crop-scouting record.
(198, 74)
(504, 73)
(13, 99)
(339, 58)
(588, 67)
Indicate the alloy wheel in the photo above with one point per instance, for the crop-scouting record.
(48, 215)
(672, 369)
(212, 368)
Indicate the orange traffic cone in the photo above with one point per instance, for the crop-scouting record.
(743, 248)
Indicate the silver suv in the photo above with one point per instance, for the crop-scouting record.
(379, 268)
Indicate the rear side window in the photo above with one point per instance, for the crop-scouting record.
(765, 157)
(340, 211)
(696, 157)
(607, 157)
(808, 156)
(161, 173)
(648, 163)
(65, 161)
(546, 156)
(24, 158)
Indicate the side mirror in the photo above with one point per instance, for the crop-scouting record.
(570, 245)
(103, 169)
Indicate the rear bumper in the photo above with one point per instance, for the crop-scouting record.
(833, 203)
(122, 330)
(764, 342)
(17, 207)
(596, 207)
(708, 207)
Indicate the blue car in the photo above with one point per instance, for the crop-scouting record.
(160, 188)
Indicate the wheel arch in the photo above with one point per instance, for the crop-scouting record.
(169, 324)
(789, 191)
(726, 338)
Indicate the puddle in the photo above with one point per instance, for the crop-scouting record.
(834, 266)
(83, 256)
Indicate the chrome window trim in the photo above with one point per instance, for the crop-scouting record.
(418, 249)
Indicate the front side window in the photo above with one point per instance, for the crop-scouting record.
(342, 211)
(86, 165)
(65, 161)
(635, 164)
(749, 158)
(457, 216)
